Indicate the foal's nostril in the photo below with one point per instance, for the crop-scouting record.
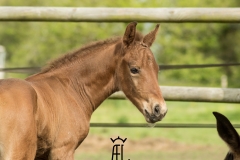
(157, 110)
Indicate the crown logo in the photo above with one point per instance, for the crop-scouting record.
(118, 138)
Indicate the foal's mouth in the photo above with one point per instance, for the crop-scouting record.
(152, 118)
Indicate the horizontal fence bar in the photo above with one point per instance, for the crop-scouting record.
(190, 94)
(21, 70)
(194, 66)
(161, 67)
(158, 125)
(195, 94)
(101, 14)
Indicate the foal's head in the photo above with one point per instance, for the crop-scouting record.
(138, 74)
(227, 132)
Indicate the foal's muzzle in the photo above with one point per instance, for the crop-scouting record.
(156, 115)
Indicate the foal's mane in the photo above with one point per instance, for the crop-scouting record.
(71, 56)
(74, 55)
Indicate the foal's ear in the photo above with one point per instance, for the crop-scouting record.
(129, 34)
(227, 132)
(150, 37)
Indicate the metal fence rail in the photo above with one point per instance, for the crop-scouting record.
(161, 66)
(70, 14)
(158, 125)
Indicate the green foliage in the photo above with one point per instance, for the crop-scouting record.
(35, 43)
(198, 44)
(123, 119)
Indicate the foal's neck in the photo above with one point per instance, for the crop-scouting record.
(95, 76)
(91, 75)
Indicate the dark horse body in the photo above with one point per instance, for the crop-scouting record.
(229, 135)
(47, 115)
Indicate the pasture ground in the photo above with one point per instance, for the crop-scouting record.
(158, 143)
(99, 148)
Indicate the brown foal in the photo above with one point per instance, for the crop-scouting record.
(47, 115)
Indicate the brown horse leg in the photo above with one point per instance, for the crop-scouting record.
(62, 153)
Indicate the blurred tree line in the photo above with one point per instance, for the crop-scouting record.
(35, 43)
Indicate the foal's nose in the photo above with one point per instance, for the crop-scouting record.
(156, 110)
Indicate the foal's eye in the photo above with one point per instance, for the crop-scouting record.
(134, 70)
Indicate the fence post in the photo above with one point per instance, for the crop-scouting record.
(2, 60)
(224, 81)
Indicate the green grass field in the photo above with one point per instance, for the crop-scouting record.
(158, 143)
